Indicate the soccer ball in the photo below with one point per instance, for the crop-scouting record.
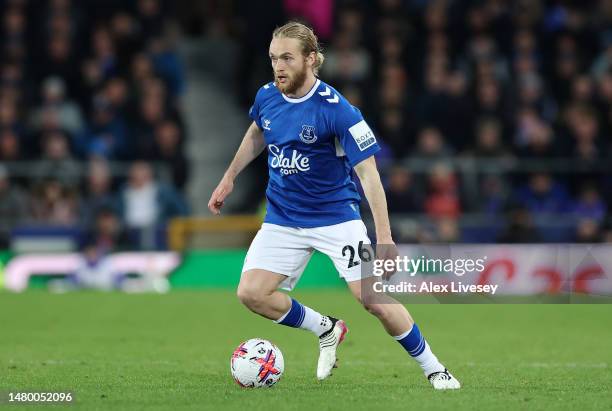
(257, 363)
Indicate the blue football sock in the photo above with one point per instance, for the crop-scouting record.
(294, 317)
(300, 316)
(414, 343)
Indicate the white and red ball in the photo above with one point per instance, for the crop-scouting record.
(257, 363)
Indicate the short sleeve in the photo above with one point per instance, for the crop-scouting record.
(355, 135)
(254, 113)
(255, 110)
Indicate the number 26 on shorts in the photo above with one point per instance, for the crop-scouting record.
(365, 253)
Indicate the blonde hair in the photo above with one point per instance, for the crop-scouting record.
(307, 38)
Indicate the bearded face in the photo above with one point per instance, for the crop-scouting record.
(290, 67)
(289, 82)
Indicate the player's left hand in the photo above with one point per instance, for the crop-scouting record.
(386, 250)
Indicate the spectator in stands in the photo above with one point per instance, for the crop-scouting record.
(107, 234)
(106, 134)
(57, 162)
(520, 227)
(584, 128)
(391, 93)
(12, 81)
(141, 68)
(443, 198)
(10, 149)
(431, 145)
(154, 88)
(346, 61)
(583, 91)
(489, 142)
(588, 231)
(167, 64)
(145, 202)
(401, 193)
(566, 66)
(14, 26)
(169, 150)
(531, 94)
(116, 93)
(433, 104)
(543, 195)
(604, 90)
(98, 193)
(127, 36)
(104, 53)
(9, 117)
(392, 50)
(535, 138)
(459, 116)
(54, 99)
(59, 61)
(54, 204)
(490, 196)
(490, 101)
(590, 205)
(150, 15)
(91, 78)
(151, 113)
(13, 207)
(394, 132)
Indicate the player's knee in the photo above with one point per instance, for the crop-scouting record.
(251, 297)
(373, 308)
(380, 311)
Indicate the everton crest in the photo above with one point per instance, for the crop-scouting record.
(307, 135)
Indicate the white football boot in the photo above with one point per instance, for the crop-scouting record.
(443, 380)
(328, 344)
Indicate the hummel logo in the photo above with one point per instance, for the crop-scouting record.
(333, 100)
(326, 93)
(266, 124)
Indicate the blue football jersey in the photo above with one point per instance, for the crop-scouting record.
(312, 142)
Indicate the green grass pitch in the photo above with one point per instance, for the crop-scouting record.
(171, 352)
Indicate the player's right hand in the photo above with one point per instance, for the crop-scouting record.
(217, 199)
(387, 251)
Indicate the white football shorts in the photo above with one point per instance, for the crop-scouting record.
(287, 250)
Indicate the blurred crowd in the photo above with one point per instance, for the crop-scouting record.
(500, 109)
(91, 129)
(495, 116)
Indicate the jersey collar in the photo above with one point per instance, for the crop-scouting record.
(304, 97)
